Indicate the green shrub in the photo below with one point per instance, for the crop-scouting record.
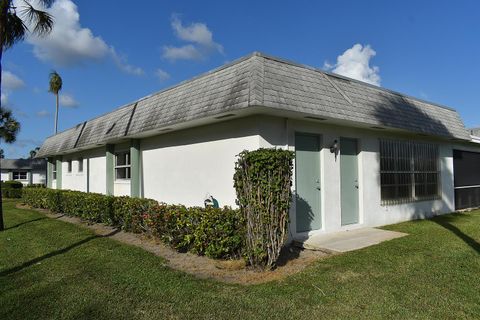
(11, 193)
(263, 180)
(128, 213)
(11, 189)
(36, 197)
(220, 233)
(12, 184)
(214, 232)
(97, 207)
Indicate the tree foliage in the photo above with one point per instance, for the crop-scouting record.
(9, 126)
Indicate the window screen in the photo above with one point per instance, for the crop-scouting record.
(409, 171)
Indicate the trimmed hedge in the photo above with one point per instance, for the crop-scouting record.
(214, 232)
(11, 189)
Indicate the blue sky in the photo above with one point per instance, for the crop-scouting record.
(109, 53)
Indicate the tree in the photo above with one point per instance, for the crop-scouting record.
(9, 128)
(2, 154)
(13, 29)
(34, 152)
(55, 87)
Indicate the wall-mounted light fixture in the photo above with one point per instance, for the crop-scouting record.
(334, 148)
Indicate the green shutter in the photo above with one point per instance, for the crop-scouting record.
(59, 173)
(110, 158)
(135, 168)
(49, 172)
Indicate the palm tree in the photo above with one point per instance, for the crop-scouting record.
(13, 29)
(9, 128)
(55, 87)
(34, 152)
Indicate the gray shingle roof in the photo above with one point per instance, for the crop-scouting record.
(263, 81)
(475, 132)
(23, 164)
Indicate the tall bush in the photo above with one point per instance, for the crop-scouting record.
(263, 180)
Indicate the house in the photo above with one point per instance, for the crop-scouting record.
(27, 171)
(365, 155)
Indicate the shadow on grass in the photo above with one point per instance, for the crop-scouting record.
(23, 223)
(446, 223)
(55, 253)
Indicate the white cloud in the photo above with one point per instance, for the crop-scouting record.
(68, 101)
(11, 82)
(200, 38)
(355, 63)
(187, 52)
(69, 43)
(162, 75)
(43, 114)
(122, 64)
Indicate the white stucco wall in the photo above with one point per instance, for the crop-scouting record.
(93, 176)
(182, 167)
(279, 132)
(5, 175)
(74, 180)
(39, 177)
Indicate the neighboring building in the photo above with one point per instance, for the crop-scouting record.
(26, 171)
(365, 155)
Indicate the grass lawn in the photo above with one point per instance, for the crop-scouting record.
(50, 269)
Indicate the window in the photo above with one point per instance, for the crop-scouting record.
(122, 165)
(19, 175)
(80, 165)
(69, 166)
(54, 170)
(409, 171)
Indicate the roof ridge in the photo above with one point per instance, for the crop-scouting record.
(256, 80)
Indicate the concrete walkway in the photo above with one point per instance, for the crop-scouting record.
(345, 241)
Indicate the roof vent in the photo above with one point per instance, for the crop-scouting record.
(315, 118)
(225, 116)
(377, 128)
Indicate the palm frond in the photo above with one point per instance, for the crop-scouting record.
(14, 30)
(46, 3)
(9, 126)
(56, 82)
(41, 20)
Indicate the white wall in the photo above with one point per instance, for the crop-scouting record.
(39, 177)
(94, 171)
(5, 175)
(279, 132)
(182, 167)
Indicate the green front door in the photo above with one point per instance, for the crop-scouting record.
(307, 176)
(349, 180)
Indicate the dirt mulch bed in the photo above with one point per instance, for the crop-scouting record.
(292, 259)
